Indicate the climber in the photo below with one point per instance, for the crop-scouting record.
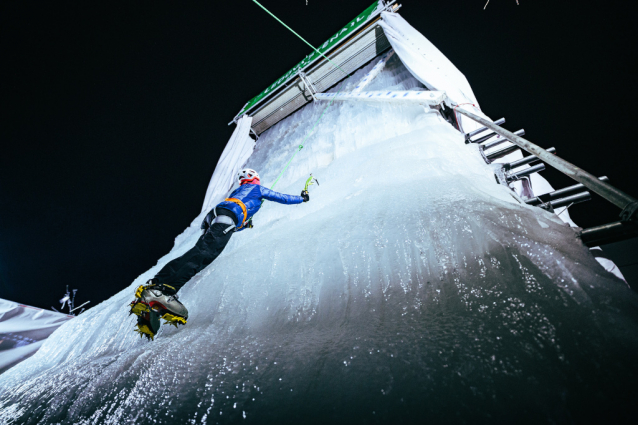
(158, 297)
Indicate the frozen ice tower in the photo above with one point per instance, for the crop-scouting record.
(412, 288)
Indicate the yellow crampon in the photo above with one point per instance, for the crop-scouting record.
(139, 308)
(144, 331)
(171, 319)
(138, 291)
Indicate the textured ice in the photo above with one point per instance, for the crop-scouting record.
(412, 287)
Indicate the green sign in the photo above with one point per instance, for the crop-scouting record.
(349, 29)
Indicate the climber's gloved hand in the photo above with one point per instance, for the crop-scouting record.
(249, 224)
(305, 195)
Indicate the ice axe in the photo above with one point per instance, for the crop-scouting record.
(311, 180)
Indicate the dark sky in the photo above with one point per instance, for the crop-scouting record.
(114, 114)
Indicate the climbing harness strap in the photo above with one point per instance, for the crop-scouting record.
(223, 219)
(243, 208)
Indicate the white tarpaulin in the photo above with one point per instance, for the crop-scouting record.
(23, 329)
(430, 66)
(239, 148)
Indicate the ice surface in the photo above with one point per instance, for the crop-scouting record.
(236, 153)
(412, 287)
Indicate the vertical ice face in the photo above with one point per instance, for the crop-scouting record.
(412, 286)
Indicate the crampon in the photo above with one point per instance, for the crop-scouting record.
(150, 305)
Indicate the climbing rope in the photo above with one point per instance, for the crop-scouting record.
(324, 110)
(300, 37)
(301, 145)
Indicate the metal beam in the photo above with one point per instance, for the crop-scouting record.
(608, 233)
(499, 153)
(568, 200)
(398, 96)
(490, 145)
(628, 204)
(373, 72)
(309, 86)
(524, 161)
(525, 172)
(546, 197)
(480, 130)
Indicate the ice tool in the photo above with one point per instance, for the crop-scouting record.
(311, 180)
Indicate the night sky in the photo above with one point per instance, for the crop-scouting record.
(115, 114)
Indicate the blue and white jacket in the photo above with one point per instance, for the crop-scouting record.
(251, 196)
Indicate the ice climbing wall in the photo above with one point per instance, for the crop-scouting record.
(411, 288)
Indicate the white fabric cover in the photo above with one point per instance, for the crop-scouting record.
(23, 329)
(430, 66)
(610, 266)
(239, 148)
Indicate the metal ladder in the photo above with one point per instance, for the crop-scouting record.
(507, 173)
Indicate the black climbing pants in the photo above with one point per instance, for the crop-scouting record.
(180, 270)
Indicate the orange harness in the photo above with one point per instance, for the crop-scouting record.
(243, 208)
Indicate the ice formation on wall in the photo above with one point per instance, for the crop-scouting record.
(412, 286)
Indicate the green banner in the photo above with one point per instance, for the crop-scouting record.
(346, 31)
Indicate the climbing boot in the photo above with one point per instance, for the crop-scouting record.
(160, 299)
(165, 289)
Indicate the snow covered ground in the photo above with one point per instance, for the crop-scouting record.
(412, 287)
